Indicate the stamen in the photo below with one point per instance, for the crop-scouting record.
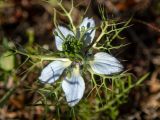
(72, 46)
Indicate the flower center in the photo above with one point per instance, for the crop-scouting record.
(72, 47)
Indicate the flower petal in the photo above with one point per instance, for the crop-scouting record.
(104, 63)
(89, 35)
(59, 37)
(53, 71)
(73, 87)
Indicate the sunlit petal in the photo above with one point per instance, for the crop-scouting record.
(104, 63)
(53, 71)
(73, 87)
(59, 37)
(88, 23)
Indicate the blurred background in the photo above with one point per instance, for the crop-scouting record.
(25, 22)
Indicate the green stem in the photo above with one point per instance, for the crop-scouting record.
(101, 35)
(69, 16)
(41, 57)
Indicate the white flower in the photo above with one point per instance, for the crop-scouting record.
(71, 44)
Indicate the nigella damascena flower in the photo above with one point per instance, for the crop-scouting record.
(72, 46)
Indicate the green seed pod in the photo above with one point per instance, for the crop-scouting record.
(7, 61)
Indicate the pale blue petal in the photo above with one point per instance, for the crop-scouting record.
(73, 87)
(53, 71)
(90, 34)
(59, 38)
(104, 63)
